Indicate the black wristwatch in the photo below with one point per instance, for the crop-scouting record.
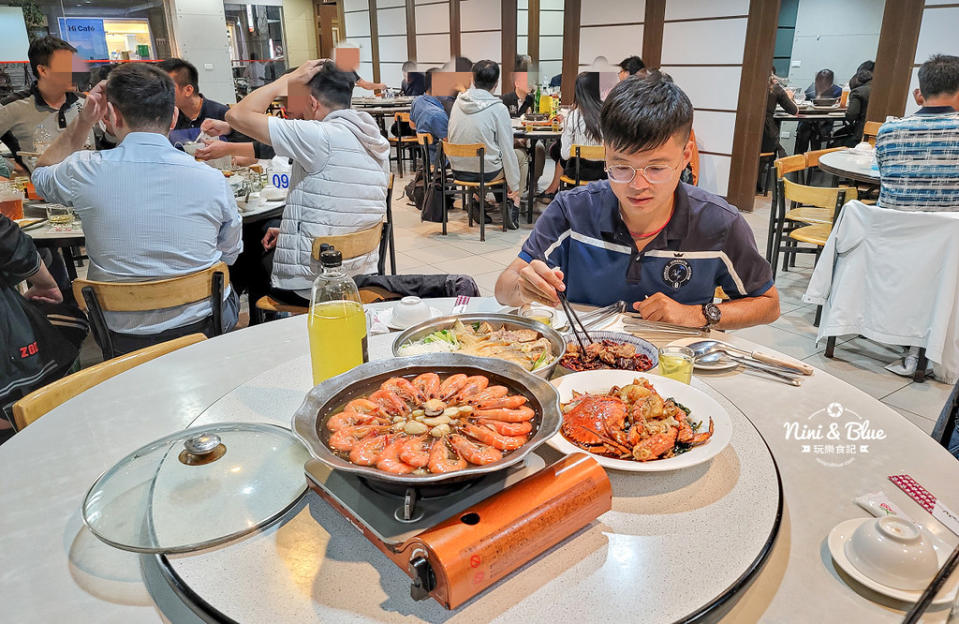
(712, 313)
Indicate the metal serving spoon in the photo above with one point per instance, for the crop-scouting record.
(781, 374)
(704, 347)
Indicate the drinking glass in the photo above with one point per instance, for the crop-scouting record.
(11, 201)
(676, 363)
(799, 95)
(59, 216)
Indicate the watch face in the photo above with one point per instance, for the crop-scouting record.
(712, 313)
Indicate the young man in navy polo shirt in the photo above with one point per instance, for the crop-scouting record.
(642, 236)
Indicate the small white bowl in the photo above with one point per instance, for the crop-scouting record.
(892, 551)
(410, 311)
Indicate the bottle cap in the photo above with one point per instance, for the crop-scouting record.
(331, 258)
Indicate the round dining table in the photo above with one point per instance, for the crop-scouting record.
(758, 513)
(852, 165)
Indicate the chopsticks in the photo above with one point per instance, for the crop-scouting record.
(635, 322)
(937, 582)
(33, 225)
(573, 320)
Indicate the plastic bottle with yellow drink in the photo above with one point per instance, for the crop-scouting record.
(337, 323)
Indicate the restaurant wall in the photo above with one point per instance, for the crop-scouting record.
(356, 23)
(200, 33)
(937, 35)
(610, 28)
(432, 32)
(834, 35)
(391, 30)
(703, 52)
(299, 31)
(481, 30)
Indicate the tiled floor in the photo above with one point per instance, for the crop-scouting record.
(421, 248)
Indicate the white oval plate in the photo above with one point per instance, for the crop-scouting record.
(701, 406)
(837, 539)
(387, 317)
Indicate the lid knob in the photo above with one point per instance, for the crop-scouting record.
(202, 444)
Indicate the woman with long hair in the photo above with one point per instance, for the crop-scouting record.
(581, 127)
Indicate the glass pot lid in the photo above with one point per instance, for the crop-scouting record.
(197, 488)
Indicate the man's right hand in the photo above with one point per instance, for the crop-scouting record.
(305, 72)
(514, 195)
(215, 127)
(269, 241)
(95, 105)
(539, 283)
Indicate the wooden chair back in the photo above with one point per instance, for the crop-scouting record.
(589, 152)
(789, 164)
(819, 196)
(870, 130)
(463, 150)
(812, 158)
(156, 295)
(31, 407)
(844, 99)
(424, 138)
(352, 245)
(404, 117)
(387, 244)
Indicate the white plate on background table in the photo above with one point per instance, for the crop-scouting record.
(386, 316)
(702, 407)
(841, 533)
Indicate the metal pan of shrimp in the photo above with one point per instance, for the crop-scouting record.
(430, 425)
(632, 423)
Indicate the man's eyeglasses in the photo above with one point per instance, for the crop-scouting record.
(654, 174)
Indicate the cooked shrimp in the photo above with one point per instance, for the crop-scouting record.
(428, 385)
(390, 402)
(452, 385)
(507, 428)
(497, 441)
(367, 452)
(474, 453)
(415, 451)
(364, 406)
(404, 389)
(473, 385)
(390, 461)
(444, 459)
(343, 439)
(508, 402)
(507, 415)
(491, 392)
(351, 419)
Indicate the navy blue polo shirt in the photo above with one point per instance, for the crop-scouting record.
(705, 244)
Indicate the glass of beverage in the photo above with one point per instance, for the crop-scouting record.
(541, 314)
(11, 201)
(59, 216)
(676, 363)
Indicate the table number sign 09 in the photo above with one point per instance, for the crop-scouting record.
(280, 180)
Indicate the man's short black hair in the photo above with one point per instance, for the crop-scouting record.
(332, 86)
(428, 79)
(632, 64)
(184, 73)
(41, 49)
(485, 75)
(939, 75)
(641, 114)
(409, 66)
(143, 94)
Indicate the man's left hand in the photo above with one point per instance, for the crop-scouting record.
(215, 148)
(659, 307)
(305, 72)
(95, 106)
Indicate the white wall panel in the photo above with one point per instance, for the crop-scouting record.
(385, 4)
(708, 87)
(558, 5)
(937, 34)
(692, 9)
(911, 105)
(613, 42)
(522, 23)
(551, 47)
(365, 71)
(434, 49)
(433, 18)
(714, 131)
(482, 45)
(357, 24)
(550, 23)
(549, 69)
(713, 41)
(391, 21)
(522, 45)
(356, 5)
(714, 173)
(612, 12)
(366, 48)
(391, 74)
(393, 49)
(480, 15)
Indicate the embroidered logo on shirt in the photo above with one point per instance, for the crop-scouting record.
(677, 272)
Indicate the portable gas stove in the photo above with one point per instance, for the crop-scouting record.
(455, 540)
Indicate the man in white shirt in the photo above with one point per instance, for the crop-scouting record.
(340, 170)
(149, 210)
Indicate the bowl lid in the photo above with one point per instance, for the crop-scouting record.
(197, 488)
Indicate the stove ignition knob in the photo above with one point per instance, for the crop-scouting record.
(424, 580)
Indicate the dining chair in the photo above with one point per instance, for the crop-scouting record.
(809, 219)
(352, 245)
(812, 161)
(870, 130)
(465, 188)
(405, 145)
(766, 160)
(783, 167)
(425, 140)
(96, 298)
(579, 152)
(387, 245)
(31, 407)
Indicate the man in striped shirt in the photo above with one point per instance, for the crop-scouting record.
(918, 156)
